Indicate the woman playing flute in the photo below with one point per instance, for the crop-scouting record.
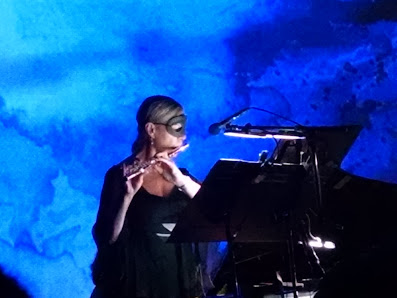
(136, 210)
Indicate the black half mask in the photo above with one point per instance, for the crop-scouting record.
(176, 126)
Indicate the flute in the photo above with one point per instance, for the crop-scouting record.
(139, 168)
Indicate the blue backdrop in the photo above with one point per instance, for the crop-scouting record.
(74, 72)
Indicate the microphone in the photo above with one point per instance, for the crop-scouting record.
(215, 128)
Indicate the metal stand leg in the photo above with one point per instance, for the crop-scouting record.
(230, 244)
(292, 267)
(291, 257)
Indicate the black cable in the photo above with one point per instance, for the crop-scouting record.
(275, 114)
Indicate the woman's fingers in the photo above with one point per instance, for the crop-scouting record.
(170, 171)
(167, 165)
(134, 184)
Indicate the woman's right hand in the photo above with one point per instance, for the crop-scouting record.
(132, 185)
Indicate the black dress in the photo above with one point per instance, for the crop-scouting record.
(141, 263)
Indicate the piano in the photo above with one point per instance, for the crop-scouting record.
(268, 211)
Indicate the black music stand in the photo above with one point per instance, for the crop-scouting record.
(230, 206)
(209, 217)
(203, 220)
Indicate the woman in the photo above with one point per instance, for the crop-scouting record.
(133, 258)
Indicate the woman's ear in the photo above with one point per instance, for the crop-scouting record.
(150, 129)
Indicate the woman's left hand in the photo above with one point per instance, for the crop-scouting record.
(168, 169)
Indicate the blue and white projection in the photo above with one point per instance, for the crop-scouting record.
(73, 73)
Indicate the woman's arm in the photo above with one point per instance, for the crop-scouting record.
(116, 198)
(131, 187)
(188, 186)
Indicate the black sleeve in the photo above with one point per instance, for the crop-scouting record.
(110, 203)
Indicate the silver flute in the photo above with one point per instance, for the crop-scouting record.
(138, 168)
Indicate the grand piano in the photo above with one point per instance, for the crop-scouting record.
(269, 211)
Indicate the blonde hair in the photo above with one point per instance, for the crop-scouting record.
(156, 109)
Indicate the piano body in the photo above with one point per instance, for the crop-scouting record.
(269, 210)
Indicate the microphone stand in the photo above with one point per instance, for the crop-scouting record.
(230, 243)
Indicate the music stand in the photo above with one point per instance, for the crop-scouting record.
(230, 206)
(203, 220)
